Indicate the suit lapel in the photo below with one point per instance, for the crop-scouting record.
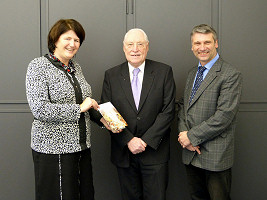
(189, 85)
(147, 83)
(126, 84)
(207, 81)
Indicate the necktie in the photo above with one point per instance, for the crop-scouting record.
(136, 87)
(198, 82)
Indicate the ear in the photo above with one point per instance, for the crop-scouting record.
(216, 44)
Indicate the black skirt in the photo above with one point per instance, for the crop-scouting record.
(63, 176)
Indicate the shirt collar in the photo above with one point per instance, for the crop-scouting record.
(141, 67)
(211, 63)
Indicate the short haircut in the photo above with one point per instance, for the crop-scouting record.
(136, 29)
(62, 26)
(205, 29)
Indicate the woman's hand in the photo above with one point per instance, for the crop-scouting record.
(88, 103)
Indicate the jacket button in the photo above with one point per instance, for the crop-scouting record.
(138, 118)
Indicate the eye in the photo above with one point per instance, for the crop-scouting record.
(129, 45)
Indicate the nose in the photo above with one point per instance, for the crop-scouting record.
(202, 47)
(135, 47)
(72, 43)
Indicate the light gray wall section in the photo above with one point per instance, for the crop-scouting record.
(243, 43)
(242, 35)
(20, 42)
(20, 38)
(16, 167)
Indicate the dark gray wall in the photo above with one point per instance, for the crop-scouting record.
(242, 38)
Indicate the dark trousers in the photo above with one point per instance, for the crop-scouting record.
(143, 182)
(64, 176)
(208, 185)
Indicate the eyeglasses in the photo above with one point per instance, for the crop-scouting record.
(139, 45)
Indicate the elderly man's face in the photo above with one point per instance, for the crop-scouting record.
(135, 48)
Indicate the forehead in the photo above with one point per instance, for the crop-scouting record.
(135, 36)
(69, 33)
(198, 37)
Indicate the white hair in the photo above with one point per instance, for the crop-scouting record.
(136, 29)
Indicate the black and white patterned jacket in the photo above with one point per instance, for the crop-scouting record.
(51, 97)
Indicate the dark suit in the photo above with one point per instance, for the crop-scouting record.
(210, 119)
(151, 122)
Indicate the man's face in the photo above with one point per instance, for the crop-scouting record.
(204, 47)
(135, 48)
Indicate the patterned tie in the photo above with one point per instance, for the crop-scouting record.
(198, 82)
(136, 87)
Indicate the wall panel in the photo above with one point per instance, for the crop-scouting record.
(16, 168)
(243, 43)
(20, 42)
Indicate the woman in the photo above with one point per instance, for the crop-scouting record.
(60, 100)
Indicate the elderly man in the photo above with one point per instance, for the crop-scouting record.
(143, 91)
(207, 118)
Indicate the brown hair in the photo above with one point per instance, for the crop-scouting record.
(62, 26)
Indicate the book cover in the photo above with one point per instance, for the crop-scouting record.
(112, 116)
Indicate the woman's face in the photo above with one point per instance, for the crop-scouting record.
(67, 46)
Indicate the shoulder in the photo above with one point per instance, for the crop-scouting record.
(76, 65)
(39, 61)
(118, 68)
(39, 64)
(158, 68)
(227, 68)
(157, 64)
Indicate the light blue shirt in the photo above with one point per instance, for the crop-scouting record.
(209, 65)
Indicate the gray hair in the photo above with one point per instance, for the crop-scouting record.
(205, 29)
(136, 29)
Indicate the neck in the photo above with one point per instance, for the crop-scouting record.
(64, 61)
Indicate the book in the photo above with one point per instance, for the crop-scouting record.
(112, 116)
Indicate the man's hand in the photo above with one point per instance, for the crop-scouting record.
(183, 139)
(185, 142)
(136, 145)
(190, 147)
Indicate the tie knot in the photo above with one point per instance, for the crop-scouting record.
(201, 69)
(136, 71)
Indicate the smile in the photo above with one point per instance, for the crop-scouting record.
(71, 50)
(203, 53)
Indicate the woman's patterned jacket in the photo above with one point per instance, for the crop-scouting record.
(51, 97)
